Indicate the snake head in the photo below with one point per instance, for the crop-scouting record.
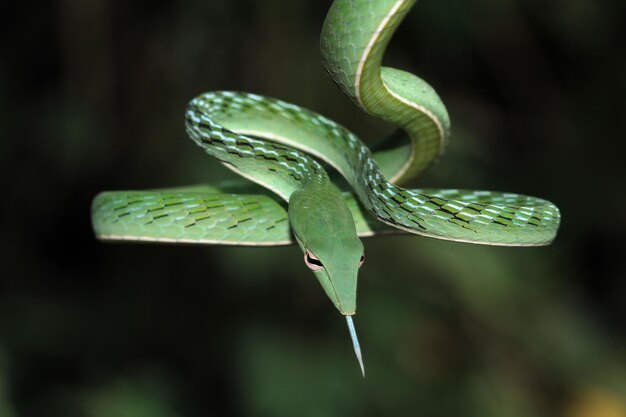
(325, 231)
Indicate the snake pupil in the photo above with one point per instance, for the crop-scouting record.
(312, 262)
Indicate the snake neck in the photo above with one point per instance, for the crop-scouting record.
(281, 169)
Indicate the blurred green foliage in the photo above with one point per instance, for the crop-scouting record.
(92, 99)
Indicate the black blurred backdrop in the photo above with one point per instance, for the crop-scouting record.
(93, 94)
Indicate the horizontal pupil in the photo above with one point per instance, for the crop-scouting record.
(313, 261)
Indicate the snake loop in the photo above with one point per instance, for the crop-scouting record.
(277, 145)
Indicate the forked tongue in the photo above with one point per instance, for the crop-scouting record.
(355, 343)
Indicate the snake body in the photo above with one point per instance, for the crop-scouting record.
(277, 145)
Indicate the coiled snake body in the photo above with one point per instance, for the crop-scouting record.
(277, 144)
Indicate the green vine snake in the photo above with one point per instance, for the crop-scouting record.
(277, 145)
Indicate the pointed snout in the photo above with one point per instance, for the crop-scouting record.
(344, 285)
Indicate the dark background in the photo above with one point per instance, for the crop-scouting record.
(92, 99)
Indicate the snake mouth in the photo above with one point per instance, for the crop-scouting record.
(348, 314)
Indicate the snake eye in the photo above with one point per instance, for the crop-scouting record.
(312, 262)
(362, 260)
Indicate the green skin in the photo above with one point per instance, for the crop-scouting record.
(313, 225)
(275, 145)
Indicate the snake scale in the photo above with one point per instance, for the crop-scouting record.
(278, 145)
